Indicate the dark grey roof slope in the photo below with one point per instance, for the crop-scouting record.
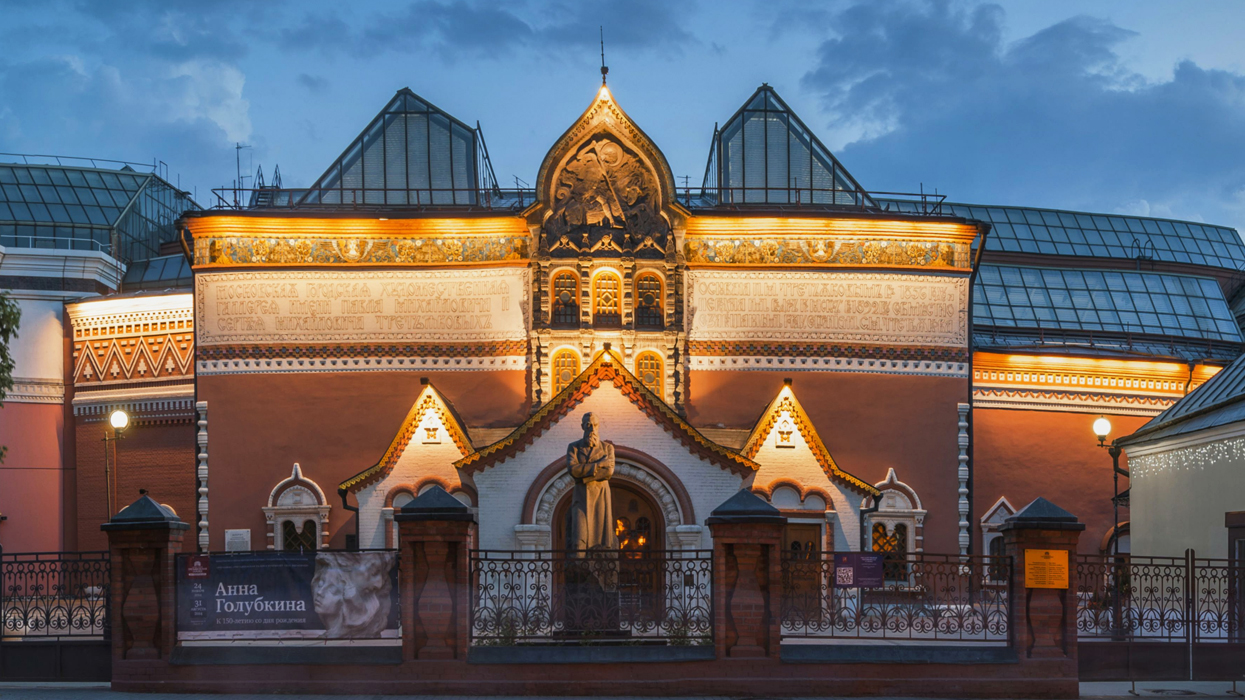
(1217, 402)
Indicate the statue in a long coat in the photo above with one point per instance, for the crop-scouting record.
(590, 461)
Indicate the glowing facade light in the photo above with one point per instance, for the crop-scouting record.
(119, 419)
(1102, 428)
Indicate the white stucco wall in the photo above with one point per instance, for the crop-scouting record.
(1179, 497)
(503, 487)
(39, 350)
(799, 464)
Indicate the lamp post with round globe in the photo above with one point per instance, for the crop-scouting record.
(119, 420)
(1102, 428)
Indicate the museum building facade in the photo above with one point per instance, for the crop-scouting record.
(893, 373)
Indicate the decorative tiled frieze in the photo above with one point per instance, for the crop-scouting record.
(360, 364)
(828, 364)
(1076, 401)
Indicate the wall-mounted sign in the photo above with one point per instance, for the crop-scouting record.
(1046, 568)
(858, 570)
(848, 307)
(320, 306)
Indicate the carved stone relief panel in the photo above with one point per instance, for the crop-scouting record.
(606, 202)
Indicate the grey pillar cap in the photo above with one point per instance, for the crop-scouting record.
(435, 504)
(1041, 514)
(144, 514)
(746, 507)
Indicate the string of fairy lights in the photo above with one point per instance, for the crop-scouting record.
(1187, 459)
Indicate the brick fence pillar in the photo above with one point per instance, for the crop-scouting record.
(747, 576)
(435, 536)
(1043, 621)
(143, 541)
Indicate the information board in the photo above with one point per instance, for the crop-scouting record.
(1046, 568)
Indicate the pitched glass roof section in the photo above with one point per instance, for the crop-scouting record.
(164, 272)
(1055, 232)
(764, 154)
(412, 153)
(1108, 301)
(122, 212)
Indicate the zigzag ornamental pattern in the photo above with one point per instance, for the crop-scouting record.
(1118, 404)
(358, 250)
(507, 348)
(908, 353)
(827, 252)
(132, 359)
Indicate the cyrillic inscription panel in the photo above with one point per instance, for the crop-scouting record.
(827, 307)
(362, 306)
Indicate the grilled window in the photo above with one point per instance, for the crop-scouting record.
(648, 369)
(565, 369)
(606, 300)
(648, 302)
(566, 299)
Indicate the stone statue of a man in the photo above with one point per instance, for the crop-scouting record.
(590, 462)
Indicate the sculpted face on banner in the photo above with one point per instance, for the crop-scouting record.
(351, 593)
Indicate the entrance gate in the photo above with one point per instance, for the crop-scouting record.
(54, 622)
(1160, 618)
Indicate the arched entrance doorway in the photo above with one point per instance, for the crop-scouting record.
(638, 522)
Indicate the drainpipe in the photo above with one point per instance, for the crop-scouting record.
(354, 509)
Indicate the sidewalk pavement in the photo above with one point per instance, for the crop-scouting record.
(100, 691)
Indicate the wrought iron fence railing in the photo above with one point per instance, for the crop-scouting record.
(527, 597)
(1159, 599)
(54, 594)
(924, 597)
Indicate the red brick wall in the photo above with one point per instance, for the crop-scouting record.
(159, 458)
(1053, 454)
(31, 477)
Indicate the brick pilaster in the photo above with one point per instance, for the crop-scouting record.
(747, 542)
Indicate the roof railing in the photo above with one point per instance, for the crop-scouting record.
(857, 199)
(72, 161)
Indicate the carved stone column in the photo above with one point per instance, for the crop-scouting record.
(436, 532)
(747, 541)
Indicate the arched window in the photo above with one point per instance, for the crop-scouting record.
(648, 370)
(606, 300)
(565, 299)
(298, 539)
(894, 545)
(648, 302)
(565, 369)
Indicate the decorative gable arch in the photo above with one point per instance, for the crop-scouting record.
(293, 504)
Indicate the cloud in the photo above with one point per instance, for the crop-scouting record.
(458, 29)
(929, 92)
(313, 83)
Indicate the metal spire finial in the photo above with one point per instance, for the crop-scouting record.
(604, 68)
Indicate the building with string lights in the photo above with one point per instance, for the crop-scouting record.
(896, 373)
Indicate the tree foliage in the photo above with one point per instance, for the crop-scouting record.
(10, 316)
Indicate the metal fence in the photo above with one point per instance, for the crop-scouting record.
(1157, 599)
(925, 597)
(525, 597)
(54, 594)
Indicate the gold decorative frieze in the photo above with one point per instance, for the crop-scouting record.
(822, 251)
(229, 241)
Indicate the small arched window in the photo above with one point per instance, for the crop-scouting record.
(565, 299)
(298, 539)
(606, 300)
(648, 370)
(565, 369)
(648, 302)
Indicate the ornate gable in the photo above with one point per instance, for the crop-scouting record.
(430, 412)
(604, 188)
(607, 369)
(784, 416)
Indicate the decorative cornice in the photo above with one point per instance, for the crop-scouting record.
(429, 400)
(155, 391)
(108, 317)
(29, 390)
(786, 402)
(1074, 401)
(62, 264)
(921, 368)
(607, 368)
(296, 364)
(141, 410)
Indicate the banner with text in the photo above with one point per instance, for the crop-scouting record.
(276, 595)
(827, 307)
(316, 306)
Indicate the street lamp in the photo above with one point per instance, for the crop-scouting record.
(1102, 428)
(119, 420)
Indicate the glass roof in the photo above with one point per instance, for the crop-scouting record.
(766, 155)
(1053, 232)
(1102, 301)
(412, 153)
(164, 272)
(66, 195)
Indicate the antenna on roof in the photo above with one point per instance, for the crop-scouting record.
(604, 68)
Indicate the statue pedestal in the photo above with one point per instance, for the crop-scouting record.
(590, 600)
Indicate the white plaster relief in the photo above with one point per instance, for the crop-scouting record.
(736, 363)
(360, 364)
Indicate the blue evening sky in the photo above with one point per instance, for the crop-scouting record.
(1114, 106)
